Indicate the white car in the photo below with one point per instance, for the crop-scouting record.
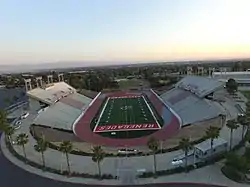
(17, 127)
(18, 123)
(25, 115)
(14, 142)
(126, 151)
(177, 162)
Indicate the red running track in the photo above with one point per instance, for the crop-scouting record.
(83, 131)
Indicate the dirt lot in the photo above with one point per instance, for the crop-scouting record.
(194, 131)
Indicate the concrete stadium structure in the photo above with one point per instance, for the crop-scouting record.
(192, 100)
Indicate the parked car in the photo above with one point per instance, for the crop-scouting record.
(25, 115)
(177, 162)
(18, 123)
(17, 126)
(125, 151)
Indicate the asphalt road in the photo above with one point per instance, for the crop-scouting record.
(12, 176)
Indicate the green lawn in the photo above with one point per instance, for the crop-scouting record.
(130, 83)
(246, 94)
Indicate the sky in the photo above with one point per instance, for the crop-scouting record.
(101, 31)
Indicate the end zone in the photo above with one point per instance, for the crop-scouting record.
(126, 127)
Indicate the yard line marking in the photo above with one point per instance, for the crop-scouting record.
(103, 109)
(151, 112)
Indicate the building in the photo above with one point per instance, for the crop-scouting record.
(241, 77)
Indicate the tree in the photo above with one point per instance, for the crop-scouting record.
(212, 133)
(98, 156)
(153, 145)
(15, 98)
(186, 146)
(5, 127)
(22, 140)
(3, 120)
(247, 114)
(9, 131)
(239, 163)
(232, 125)
(243, 122)
(7, 101)
(41, 146)
(66, 147)
(231, 86)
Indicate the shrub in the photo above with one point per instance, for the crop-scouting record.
(232, 173)
(82, 153)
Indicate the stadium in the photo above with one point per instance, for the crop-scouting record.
(126, 118)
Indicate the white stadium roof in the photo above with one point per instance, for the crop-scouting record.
(51, 93)
(201, 86)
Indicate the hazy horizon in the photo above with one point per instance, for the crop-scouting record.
(101, 31)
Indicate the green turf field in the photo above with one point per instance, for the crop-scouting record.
(131, 83)
(118, 113)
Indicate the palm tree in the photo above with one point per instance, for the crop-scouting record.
(9, 131)
(242, 120)
(3, 120)
(98, 156)
(41, 146)
(186, 146)
(22, 140)
(248, 114)
(66, 147)
(232, 125)
(212, 133)
(153, 145)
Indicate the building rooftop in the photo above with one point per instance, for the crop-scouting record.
(200, 86)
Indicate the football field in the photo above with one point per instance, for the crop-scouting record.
(130, 113)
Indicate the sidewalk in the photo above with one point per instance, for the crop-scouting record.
(110, 165)
(210, 175)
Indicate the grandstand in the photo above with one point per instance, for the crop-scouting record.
(188, 99)
(51, 93)
(58, 105)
